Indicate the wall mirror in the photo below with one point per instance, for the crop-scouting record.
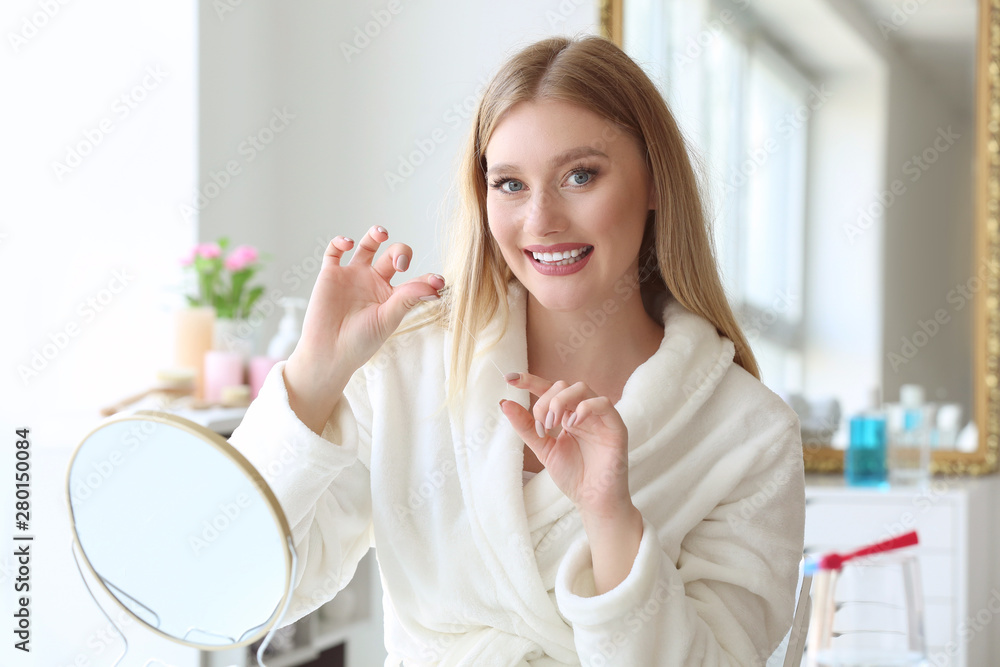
(850, 149)
(180, 530)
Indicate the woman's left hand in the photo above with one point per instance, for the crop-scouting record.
(588, 460)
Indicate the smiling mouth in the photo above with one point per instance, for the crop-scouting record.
(563, 262)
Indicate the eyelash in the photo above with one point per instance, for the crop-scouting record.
(500, 180)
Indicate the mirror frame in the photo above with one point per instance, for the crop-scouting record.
(986, 214)
(230, 452)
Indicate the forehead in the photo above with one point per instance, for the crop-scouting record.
(533, 129)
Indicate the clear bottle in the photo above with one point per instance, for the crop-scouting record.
(865, 457)
(911, 426)
(289, 329)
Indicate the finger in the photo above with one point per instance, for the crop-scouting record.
(369, 244)
(566, 402)
(533, 383)
(556, 399)
(395, 258)
(596, 406)
(336, 249)
(524, 423)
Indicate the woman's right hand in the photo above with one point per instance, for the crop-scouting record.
(353, 310)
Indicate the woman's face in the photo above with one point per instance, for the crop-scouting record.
(561, 177)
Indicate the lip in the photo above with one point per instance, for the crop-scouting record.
(559, 247)
(558, 270)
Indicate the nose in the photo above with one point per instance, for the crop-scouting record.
(544, 215)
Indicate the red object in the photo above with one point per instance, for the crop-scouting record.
(835, 561)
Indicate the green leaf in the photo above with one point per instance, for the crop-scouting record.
(252, 297)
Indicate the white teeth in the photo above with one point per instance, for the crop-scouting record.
(559, 258)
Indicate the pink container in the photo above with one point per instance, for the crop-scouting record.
(259, 368)
(222, 369)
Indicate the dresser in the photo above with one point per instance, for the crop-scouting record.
(958, 523)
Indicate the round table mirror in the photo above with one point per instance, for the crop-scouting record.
(178, 527)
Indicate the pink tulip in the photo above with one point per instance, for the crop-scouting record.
(208, 250)
(241, 257)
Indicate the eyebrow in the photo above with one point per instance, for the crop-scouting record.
(562, 158)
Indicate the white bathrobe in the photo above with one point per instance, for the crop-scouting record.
(478, 570)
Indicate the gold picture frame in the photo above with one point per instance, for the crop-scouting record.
(986, 253)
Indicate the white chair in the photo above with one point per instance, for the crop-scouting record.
(789, 652)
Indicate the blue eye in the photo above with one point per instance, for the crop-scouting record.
(512, 183)
(582, 176)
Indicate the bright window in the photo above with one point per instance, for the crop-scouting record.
(743, 108)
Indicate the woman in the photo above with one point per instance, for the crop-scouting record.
(637, 496)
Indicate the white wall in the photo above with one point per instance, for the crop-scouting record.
(106, 90)
(88, 250)
(356, 117)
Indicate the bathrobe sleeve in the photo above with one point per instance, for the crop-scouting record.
(323, 484)
(728, 597)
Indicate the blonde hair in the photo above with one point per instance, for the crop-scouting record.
(676, 254)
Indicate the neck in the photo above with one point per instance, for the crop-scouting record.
(598, 344)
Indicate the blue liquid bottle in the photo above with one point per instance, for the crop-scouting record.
(865, 461)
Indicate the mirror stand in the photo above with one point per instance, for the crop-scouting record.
(153, 662)
(73, 548)
(284, 609)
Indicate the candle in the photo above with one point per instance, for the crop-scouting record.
(222, 369)
(259, 368)
(193, 329)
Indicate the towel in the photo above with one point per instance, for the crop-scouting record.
(480, 567)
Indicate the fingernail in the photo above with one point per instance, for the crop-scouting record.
(571, 420)
(381, 229)
(348, 239)
(501, 404)
(548, 420)
(539, 429)
(429, 297)
(438, 276)
(512, 377)
(402, 262)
